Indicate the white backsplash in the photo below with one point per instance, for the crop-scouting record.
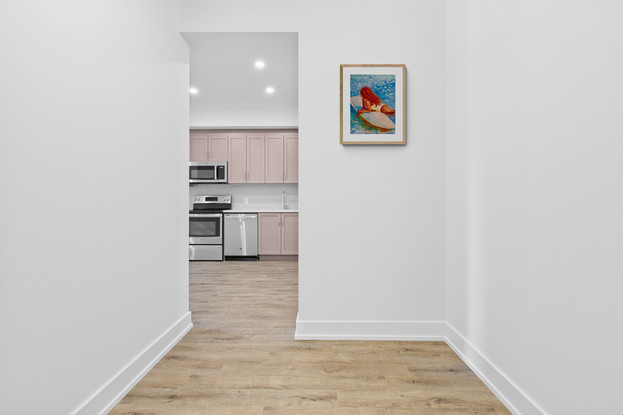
(260, 195)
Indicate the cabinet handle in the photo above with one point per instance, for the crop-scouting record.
(208, 153)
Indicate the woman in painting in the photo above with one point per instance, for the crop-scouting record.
(372, 103)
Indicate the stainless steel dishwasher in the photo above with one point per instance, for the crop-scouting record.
(241, 236)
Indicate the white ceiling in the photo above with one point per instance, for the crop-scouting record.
(222, 69)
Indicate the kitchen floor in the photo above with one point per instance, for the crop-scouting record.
(241, 358)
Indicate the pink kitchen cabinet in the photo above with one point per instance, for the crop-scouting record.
(198, 146)
(246, 158)
(291, 158)
(256, 158)
(207, 147)
(289, 233)
(237, 161)
(253, 157)
(274, 158)
(278, 234)
(217, 147)
(282, 152)
(269, 233)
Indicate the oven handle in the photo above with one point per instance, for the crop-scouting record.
(205, 215)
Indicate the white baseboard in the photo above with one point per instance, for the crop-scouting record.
(370, 330)
(515, 399)
(105, 399)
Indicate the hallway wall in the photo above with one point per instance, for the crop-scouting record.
(93, 286)
(534, 178)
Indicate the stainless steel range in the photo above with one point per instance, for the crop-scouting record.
(205, 236)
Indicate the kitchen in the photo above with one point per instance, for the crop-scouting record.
(243, 164)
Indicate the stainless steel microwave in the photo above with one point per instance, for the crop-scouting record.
(207, 172)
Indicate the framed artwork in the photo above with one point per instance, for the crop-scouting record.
(372, 104)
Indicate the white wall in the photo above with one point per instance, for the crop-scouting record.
(245, 116)
(371, 222)
(94, 99)
(534, 202)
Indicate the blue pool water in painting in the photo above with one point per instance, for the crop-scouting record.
(384, 86)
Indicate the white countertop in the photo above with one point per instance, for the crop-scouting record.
(260, 208)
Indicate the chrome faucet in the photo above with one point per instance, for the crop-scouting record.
(283, 200)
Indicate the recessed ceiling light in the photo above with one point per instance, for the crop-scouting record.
(193, 91)
(259, 64)
(270, 90)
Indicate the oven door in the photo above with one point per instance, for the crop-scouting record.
(206, 229)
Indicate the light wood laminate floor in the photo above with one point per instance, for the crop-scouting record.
(241, 358)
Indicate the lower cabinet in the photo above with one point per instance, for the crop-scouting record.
(290, 233)
(278, 233)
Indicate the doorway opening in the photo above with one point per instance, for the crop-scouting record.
(244, 113)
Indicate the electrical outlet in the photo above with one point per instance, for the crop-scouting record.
(246, 200)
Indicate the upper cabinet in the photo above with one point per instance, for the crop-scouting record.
(291, 158)
(207, 147)
(274, 158)
(246, 158)
(282, 158)
(198, 146)
(256, 158)
(237, 161)
(217, 147)
(253, 157)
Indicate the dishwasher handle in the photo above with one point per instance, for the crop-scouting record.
(241, 215)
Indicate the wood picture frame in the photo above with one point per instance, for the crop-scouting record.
(373, 104)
